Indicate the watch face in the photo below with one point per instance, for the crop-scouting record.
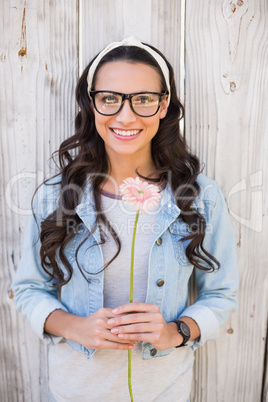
(184, 329)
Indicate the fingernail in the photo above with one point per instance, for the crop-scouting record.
(115, 310)
(114, 330)
(111, 321)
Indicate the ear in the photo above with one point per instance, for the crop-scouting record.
(163, 108)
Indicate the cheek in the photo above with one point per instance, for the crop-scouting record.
(153, 127)
(100, 122)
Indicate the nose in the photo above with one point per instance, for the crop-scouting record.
(126, 114)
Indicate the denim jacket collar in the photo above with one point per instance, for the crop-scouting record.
(168, 210)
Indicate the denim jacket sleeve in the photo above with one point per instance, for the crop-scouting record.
(34, 294)
(217, 296)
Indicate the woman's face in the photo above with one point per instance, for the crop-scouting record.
(128, 78)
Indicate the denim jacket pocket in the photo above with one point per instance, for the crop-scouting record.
(72, 246)
(70, 250)
(179, 230)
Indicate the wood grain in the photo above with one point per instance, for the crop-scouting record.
(226, 103)
(152, 21)
(44, 46)
(38, 71)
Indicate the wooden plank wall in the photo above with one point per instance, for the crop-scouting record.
(219, 52)
(38, 72)
(226, 123)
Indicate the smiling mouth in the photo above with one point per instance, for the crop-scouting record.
(125, 133)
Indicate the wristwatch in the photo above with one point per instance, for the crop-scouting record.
(184, 330)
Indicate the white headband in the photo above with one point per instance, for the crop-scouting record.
(130, 41)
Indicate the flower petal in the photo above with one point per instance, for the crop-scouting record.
(145, 196)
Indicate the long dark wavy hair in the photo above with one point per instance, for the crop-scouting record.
(83, 155)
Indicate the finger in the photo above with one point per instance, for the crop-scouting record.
(135, 307)
(110, 337)
(106, 313)
(143, 337)
(135, 318)
(135, 328)
(116, 345)
(129, 319)
(106, 340)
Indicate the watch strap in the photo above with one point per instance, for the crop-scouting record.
(184, 330)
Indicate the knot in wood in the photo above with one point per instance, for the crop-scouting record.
(232, 86)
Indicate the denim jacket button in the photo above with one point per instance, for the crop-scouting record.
(160, 283)
(153, 352)
(159, 241)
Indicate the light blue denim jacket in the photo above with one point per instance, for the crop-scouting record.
(217, 298)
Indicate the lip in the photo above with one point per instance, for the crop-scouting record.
(120, 137)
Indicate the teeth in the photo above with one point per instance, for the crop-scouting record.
(125, 133)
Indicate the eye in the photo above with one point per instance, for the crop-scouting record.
(110, 99)
(145, 99)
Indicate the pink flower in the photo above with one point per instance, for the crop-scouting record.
(145, 196)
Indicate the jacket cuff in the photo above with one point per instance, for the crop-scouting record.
(39, 316)
(207, 323)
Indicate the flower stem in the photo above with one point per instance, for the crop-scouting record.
(131, 298)
(129, 376)
(132, 258)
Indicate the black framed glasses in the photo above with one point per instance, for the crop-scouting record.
(144, 104)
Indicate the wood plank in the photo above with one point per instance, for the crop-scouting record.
(38, 71)
(155, 22)
(226, 118)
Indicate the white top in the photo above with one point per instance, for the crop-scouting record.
(104, 377)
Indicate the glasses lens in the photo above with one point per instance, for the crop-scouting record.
(145, 104)
(108, 103)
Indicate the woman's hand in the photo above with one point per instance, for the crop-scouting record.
(93, 331)
(145, 323)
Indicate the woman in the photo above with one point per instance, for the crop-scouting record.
(73, 280)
